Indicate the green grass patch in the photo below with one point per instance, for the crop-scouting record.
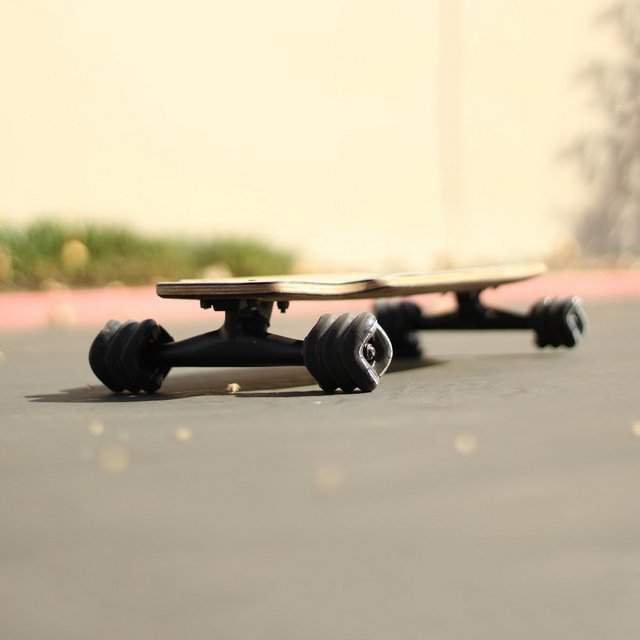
(48, 252)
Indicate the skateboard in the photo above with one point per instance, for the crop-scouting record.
(346, 352)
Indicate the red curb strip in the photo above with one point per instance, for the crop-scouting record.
(93, 307)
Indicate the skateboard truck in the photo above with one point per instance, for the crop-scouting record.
(555, 322)
(346, 352)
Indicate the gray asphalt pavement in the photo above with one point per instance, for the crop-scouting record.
(491, 492)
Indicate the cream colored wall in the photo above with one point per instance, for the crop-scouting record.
(346, 129)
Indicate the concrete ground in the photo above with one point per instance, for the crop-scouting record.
(490, 492)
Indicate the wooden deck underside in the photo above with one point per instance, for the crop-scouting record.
(349, 286)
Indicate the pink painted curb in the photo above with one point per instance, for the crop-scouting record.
(93, 307)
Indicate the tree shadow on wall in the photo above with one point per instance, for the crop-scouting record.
(609, 157)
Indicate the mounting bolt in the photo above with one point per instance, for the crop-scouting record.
(283, 305)
(369, 353)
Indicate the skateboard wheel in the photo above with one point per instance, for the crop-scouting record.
(558, 322)
(347, 352)
(97, 352)
(365, 351)
(120, 356)
(312, 357)
(137, 356)
(329, 347)
(114, 352)
(399, 320)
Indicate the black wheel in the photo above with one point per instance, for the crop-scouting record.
(312, 356)
(97, 352)
(113, 356)
(137, 356)
(329, 346)
(400, 321)
(347, 352)
(365, 351)
(121, 356)
(559, 322)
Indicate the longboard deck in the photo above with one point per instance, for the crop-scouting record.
(349, 286)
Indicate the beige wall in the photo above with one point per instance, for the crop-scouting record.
(347, 129)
